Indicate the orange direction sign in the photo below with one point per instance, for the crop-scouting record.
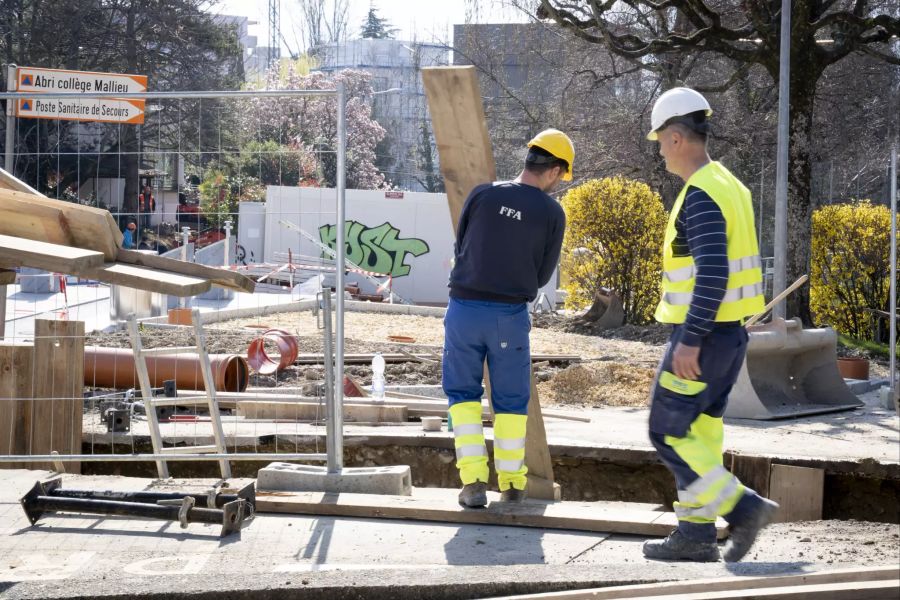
(110, 110)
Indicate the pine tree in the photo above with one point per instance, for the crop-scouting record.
(375, 27)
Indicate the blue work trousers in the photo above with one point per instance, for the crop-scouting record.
(475, 330)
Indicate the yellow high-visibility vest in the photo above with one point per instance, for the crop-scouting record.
(744, 291)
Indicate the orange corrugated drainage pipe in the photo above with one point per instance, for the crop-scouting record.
(114, 368)
(261, 362)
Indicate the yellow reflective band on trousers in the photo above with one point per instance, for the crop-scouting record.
(716, 491)
(744, 288)
(471, 453)
(509, 450)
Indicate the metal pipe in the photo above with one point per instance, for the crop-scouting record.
(171, 95)
(227, 261)
(219, 500)
(337, 416)
(893, 307)
(330, 434)
(781, 172)
(261, 456)
(114, 368)
(8, 165)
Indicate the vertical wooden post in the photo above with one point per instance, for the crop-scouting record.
(57, 409)
(15, 399)
(467, 160)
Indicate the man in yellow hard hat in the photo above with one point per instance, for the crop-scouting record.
(711, 282)
(508, 243)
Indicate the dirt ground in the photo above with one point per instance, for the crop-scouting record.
(616, 369)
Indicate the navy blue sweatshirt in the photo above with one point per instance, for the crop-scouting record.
(507, 243)
(700, 233)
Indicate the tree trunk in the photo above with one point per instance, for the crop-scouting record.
(800, 202)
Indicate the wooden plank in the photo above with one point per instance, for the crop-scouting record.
(869, 590)
(578, 516)
(312, 411)
(59, 222)
(8, 181)
(467, 160)
(57, 412)
(799, 491)
(217, 276)
(460, 132)
(16, 391)
(143, 278)
(7, 277)
(671, 588)
(18, 252)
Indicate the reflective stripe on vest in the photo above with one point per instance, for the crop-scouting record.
(744, 290)
(747, 291)
(734, 266)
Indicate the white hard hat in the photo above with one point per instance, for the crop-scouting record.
(676, 102)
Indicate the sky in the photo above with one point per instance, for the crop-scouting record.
(423, 20)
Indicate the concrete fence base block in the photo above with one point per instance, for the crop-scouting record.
(286, 477)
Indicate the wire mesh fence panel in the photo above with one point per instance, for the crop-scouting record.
(184, 176)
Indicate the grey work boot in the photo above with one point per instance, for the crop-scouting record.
(679, 547)
(474, 495)
(744, 534)
(513, 495)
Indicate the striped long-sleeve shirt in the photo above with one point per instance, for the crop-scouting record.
(700, 228)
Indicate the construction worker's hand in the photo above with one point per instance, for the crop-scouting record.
(686, 361)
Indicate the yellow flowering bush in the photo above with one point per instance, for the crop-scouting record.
(851, 254)
(614, 234)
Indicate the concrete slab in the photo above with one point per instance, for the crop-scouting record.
(71, 556)
(394, 480)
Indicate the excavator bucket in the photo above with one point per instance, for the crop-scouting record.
(789, 372)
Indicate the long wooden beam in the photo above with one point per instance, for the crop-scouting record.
(673, 588)
(467, 160)
(578, 516)
(217, 276)
(18, 252)
(147, 279)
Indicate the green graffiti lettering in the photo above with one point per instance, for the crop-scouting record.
(377, 249)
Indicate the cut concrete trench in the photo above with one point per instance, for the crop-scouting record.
(633, 476)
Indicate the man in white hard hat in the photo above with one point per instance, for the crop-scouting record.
(712, 281)
(508, 243)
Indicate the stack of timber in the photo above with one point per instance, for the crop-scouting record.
(65, 237)
(866, 583)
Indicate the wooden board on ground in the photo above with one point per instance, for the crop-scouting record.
(674, 588)
(310, 411)
(752, 471)
(869, 590)
(608, 517)
(152, 280)
(217, 276)
(57, 412)
(467, 160)
(18, 252)
(460, 132)
(799, 491)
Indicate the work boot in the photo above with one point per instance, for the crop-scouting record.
(679, 547)
(513, 495)
(474, 495)
(744, 534)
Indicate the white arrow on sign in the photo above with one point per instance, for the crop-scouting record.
(108, 110)
(35, 79)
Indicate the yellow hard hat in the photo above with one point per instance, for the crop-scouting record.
(559, 145)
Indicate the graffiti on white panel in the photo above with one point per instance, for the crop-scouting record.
(377, 249)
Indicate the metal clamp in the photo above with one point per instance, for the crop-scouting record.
(187, 503)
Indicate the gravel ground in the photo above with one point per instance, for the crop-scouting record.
(617, 365)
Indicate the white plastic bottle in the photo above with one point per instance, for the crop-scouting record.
(378, 376)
